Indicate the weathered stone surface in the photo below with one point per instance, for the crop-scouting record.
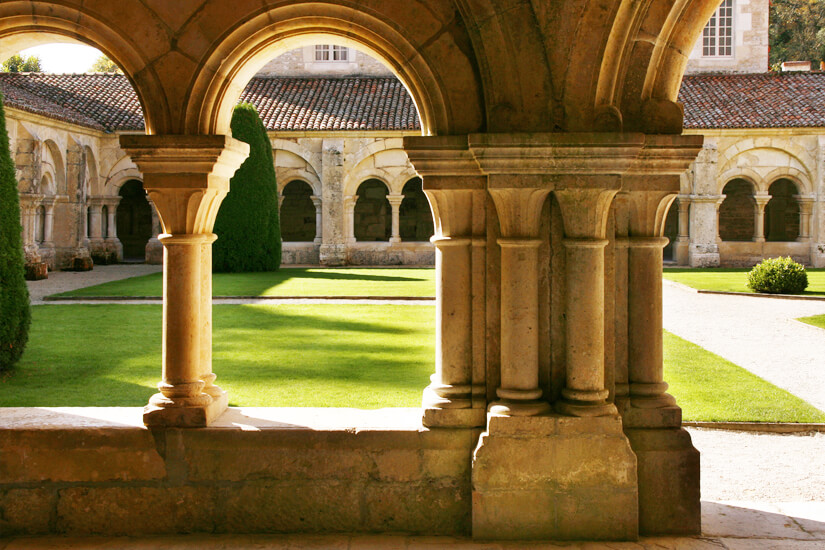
(417, 508)
(26, 511)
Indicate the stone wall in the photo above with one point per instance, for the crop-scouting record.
(301, 62)
(750, 48)
(98, 471)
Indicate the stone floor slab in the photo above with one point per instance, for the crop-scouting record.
(727, 521)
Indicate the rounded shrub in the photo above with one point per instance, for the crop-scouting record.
(248, 226)
(778, 276)
(15, 314)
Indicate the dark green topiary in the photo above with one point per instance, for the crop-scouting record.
(247, 226)
(778, 276)
(15, 315)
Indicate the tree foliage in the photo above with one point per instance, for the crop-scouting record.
(797, 31)
(20, 64)
(15, 313)
(248, 228)
(105, 65)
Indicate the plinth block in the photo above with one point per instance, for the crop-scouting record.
(554, 478)
(155, 416)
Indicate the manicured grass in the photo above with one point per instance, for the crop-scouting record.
(364, 356)
(733, 280)
(815, 320)
(288, 282)
(710, 388)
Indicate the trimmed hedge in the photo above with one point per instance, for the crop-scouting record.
(778, 276)
(247, 226)
(15, 312)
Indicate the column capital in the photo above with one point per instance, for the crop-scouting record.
(762, 200)
(519, 210)
(316, 200)
(186, 176)
(648, 211)
(584, 211)
(395, 200)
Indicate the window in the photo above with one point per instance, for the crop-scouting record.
(326, 52)
(717, 38)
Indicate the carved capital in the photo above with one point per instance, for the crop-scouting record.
(648, 211)
(186, 177)
(519, 210)
(452, 211)
(584, 211)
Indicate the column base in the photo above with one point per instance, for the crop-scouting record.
(650, 396)
(456, 411)
(161, 413)
(554, 478)
(704, 255)
(332, 254)
(532, 407)
(668, 473)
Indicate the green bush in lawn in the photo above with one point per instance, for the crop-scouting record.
(247, 226)
(15, 315)
(778, 276)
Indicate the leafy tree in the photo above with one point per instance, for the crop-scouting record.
(20, 64)
(248, 228)
(105, 65)
(797, 31)
(15, 315)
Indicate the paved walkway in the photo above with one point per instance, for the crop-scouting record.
(759, 334)
(64, 281)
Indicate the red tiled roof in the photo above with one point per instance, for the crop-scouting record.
(108, 102)
(767, 100)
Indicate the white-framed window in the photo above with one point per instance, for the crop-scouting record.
(717, 37)
(328, 52)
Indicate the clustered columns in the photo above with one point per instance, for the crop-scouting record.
(455, 189)
(317, 202)
(395, 205)
(95, 206)
(29, 203)
(186, 177)
(806, 207)
(762, 200)
(349, 218)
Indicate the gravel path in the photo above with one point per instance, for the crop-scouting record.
(64, 281)
(759, 334)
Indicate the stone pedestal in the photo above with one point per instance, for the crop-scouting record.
(554, 477)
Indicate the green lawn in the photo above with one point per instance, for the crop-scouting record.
(364, 356)
(815, 320)
(710, 388)
(288, 282)
(734, 279)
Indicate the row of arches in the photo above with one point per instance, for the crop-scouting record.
(746, 215)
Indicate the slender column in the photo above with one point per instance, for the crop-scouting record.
(806, 206)
(395, 205)
(319, 227)
(684, 218)
(519, 212)
(186, 178)
(112, 204)
(759, 218)
(95, 206)
(585, 214)
(48, 233)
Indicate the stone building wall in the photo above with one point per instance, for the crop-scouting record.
(301, 62)
(750, 44)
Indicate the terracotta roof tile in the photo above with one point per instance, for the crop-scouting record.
(108, 102)
(766, 100)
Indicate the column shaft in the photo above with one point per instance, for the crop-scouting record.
(584, 393)
(645, 357)
(395, 206)
(49, 225)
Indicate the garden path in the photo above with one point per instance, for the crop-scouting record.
(757, 333)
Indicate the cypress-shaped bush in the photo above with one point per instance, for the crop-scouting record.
(778, 276)
(247, 226)
(15, 315)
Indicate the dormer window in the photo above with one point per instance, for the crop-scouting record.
(327, 52)
(717, 37)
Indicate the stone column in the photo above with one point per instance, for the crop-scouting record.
(806, 208)
(682, 244)
(395, 205)
(333, 250)
(186, 177)
(28, 220)
(652, 421)
(456, 394)
(154, 250)
(759, 217)
(585, 212)
(319, 227)
(95, 206)
(112, 241)
(48, 233)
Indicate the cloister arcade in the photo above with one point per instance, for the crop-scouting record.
(551, 150)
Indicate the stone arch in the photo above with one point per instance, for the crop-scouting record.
(443, 85)
(47, 187)
(57, 165)
(737, 212)
(738, 173)
(797, 177)
(374, 147)
(41, 22)
(372, 219)
(790, 158)
(284, 176)
(122, 171)
(301, 152)
(782, 211)
(92, 172)
(298, 217)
